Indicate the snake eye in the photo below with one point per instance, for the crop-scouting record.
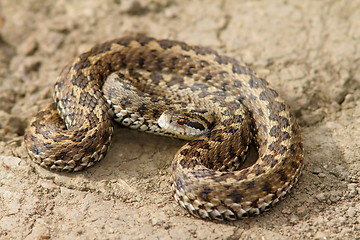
(182, 121)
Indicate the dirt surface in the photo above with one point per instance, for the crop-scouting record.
(308, 50)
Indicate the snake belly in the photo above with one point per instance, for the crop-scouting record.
(163, 75)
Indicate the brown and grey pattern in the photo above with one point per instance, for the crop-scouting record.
(140, 79)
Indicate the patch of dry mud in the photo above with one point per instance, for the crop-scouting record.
(308, 50)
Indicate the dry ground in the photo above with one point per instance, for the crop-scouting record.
(308, 50)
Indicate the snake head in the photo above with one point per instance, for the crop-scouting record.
(186, 124)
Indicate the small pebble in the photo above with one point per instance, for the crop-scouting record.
(351, 212)
(31, 64)
(301, 211)
(341, 220)
(28, 47)
(321, 197)
(335, 196)
(322, 175)
(134, 8)
(294, 219)
(320, 235)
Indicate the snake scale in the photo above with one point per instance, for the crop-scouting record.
(171, 88)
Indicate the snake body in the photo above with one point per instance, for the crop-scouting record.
(171, 88)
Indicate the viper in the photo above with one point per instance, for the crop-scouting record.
(174, 89)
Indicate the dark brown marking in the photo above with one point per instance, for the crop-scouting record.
(200, 86)
(234, 104)
(183, 163)
(203, 50)
(196, 154)
(183, 45)
(276, 106)
(236, 68)
(156, 113)
(255, 82)
(259, 170)
(238, 118)
(35, 150)
(154, 98)
(141, 109)
(235, 196)
(205, 146)
(283, 176)
(195, 125)
(230, 129)
(141, 61)
(143, 40)
(224, 87)
(105, 136)
(284, 136)
(254, 204)
(87, 100)
(260, 112)
(156, 77)
(252, 98)
(159, 64)
(237, 83)
(124, 102)
(250, 184)
(218, 138)
(294, 130)
(90, 150)
(282, 149)
(267, 187)
(231, 152)
(273, 117)
(174, 61)
(61, 155)
(204, 63)
(47, 146)
(81, 65)
(277, 147)
(175, 80)
(80, 81)
(184, 152)
(283, 122)
(284, 161)
(204, 194)
(135, 74)
(226, 112)
(178, 183)
(293, 148)
(268, 94)
(242, 69)
(223, 74)
(245, 173)
(275, 131)
(195, 142)
(267, 158)
(190, 71)
(218, 59)
(294, 165)
(273, 162)
(122, 41)
(208, 76)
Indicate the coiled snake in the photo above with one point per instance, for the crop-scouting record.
(170, 88)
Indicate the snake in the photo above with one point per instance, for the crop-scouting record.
(174, 89)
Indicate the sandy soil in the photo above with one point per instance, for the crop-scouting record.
(308, 50)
